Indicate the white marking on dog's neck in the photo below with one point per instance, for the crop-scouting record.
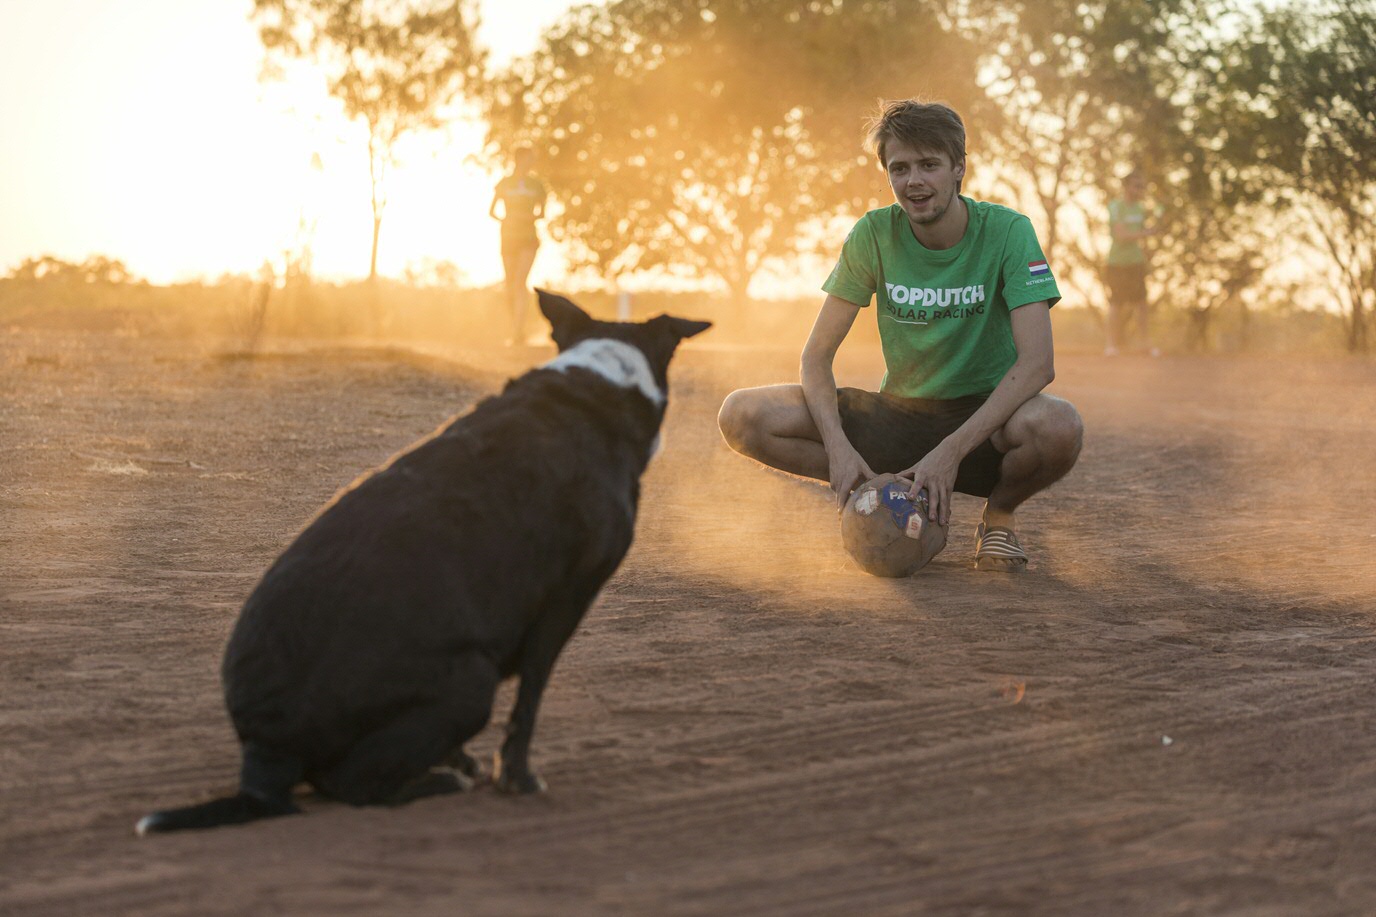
(616, 361)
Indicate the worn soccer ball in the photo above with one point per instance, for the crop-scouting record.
(887, 533)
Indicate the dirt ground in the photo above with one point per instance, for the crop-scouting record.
(1173, 712)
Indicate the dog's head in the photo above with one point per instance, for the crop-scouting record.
(656, 339)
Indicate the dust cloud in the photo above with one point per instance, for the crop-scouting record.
(743, 713)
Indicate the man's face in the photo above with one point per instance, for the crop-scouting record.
(923, 181)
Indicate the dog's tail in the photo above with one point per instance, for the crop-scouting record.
(231, 810)
(265, 788)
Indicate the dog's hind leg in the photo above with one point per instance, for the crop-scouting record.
(392, 764)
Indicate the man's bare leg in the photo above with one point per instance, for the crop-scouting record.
(1040, 443)
(520, 291)
(773, 426)
(1113, 329)
(516, 267)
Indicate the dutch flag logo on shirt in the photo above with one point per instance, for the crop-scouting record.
(1037, 268)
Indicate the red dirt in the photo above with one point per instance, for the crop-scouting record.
(1171, 713)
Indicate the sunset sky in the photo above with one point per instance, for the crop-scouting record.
(141, 131)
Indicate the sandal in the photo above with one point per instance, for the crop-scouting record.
(997, 548)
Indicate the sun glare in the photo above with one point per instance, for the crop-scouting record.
(436, 195)
(155, 142)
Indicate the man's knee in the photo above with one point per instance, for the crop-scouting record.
(1060, 431)
(737, 420)
(1051, 426)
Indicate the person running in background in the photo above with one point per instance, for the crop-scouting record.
(522, 197)
(1127, 267)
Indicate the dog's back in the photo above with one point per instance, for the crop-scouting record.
(371, 649)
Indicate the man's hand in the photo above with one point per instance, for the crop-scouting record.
(937, 474)
(848, 471)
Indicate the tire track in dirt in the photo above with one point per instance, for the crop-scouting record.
(954, 750)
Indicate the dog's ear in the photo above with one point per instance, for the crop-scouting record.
(566, 320)
(679, 328)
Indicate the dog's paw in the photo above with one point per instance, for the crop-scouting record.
(516, 781)
(520, 786)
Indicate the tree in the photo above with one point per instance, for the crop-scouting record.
(394, 64)
(97, 269)
(1220, 203)
(1090, 90)
(1310, 83)
(706, 138)
(1077, 91)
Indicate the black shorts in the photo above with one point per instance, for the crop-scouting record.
(1127, 284)
(892, 433)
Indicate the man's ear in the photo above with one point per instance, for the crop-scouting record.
(566, 320)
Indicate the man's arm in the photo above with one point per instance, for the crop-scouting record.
(1030, 373)
(845, 467)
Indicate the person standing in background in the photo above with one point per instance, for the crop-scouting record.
(522, 197)
(1127, 267)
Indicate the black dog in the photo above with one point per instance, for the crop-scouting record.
(372, 648)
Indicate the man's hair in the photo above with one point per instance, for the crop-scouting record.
(921, 125)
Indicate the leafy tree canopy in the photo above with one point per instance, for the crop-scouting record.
(708, 137)
(1301, 101)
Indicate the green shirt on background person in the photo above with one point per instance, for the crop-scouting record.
(1134, 215)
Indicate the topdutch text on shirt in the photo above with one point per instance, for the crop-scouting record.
(929, 297)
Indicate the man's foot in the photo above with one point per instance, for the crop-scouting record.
(997, 548)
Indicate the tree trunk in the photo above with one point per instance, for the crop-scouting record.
(372, 263)
(1200, 319)
(1358, 337)
(737, 288)
(738, 274)
(376, 175)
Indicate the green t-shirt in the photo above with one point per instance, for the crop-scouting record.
(1134, 214)
(944, 314)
